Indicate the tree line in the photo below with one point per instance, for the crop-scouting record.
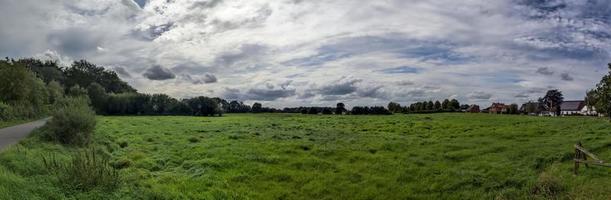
(446, 105)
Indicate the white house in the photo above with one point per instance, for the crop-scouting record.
(576, 108)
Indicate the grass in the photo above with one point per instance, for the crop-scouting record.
(293, 156)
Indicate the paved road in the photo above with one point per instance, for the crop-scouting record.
(12, 135)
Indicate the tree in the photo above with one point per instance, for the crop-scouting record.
(15, 82)
(454, 105)
(513, 109)
(98, 97)
(437, 106)
(56, 91)
(84, 73)
(591, 99)
(162, 103)
(603, 94)
(530, 107)
(47, 71)
(203, 106)
(552, 101)
(77, 91)
(394, 107)
(445, 104)
(257, 107)
(429, 105)
(313, 111)
(340, 108)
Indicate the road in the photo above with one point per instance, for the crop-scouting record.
(13, 134)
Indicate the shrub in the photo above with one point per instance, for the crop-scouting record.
(4, 111)
(72, 123)
(84, 171)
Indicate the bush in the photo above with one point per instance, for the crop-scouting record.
(84, 171)
(72, 123)
(4, 111)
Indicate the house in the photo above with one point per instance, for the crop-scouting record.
(473, 109)
(577, 108)
(573, 107)
(497, 108)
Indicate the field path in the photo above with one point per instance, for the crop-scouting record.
(13, 134)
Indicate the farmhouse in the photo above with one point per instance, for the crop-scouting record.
(497, 108)
(473, 109)
(576, 108)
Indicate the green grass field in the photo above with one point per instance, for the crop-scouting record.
(294, 156)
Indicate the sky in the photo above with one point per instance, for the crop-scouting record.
(319, 52)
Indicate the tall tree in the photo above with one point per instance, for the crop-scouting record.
(394, 107)
(98, 97)
(552, 101)
(603, 93)
(340, 108)
(257, 107)
(591, 99)
(437, 105)
(454, 105)
(445, 104)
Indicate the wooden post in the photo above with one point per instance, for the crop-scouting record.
(577, 155)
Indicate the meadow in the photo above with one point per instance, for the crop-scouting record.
(294, 156)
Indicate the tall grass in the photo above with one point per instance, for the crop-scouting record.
(84, 171)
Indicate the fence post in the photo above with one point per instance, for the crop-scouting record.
(577, 155)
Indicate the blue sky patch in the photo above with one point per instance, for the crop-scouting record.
(402, 70)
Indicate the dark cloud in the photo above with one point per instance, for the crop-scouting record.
(232, 93)
(371, 92)
(206, 78)
(266, 94)
(566, 77)
(209, 78)
(480, 95)
(74, 42)
(262, 92)
(205, 4)
(341, 87)
(122, 72)
(158, 73)
(545, 71)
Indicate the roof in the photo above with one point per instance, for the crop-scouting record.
(572, 105)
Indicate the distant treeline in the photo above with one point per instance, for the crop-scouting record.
(446, 105)
(339, 109)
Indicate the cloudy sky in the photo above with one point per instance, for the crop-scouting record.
(319, 52)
